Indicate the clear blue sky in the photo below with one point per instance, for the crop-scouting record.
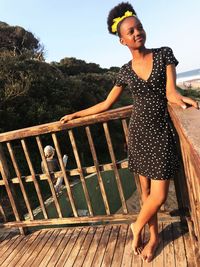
(78, 28)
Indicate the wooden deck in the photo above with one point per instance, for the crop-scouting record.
(108, 245)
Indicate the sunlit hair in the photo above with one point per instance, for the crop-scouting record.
(117, 12)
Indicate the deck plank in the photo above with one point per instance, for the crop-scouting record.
(94, 246)
(7, 243)
(45, 249)
(169, 257)
(159, 256)
(76, 249)
(127, 254)
(67, 249)
(5, 238)
(102, 247)
(61, 246)
(33, 248)
(9, 248)
(85, 247)
(119, 249)
(35, 253)
(179, 249)
(53, 248)
(110, 248)
(190, 257)
(17, 253)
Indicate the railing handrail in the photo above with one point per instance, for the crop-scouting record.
(112, 114)
(188, 122)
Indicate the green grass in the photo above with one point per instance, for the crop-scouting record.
(109, 181)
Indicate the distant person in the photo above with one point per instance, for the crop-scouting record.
(53, 165)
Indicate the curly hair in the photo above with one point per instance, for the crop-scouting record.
(118, 11)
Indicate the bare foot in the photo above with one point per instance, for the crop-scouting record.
(137, 241)
(149, 250)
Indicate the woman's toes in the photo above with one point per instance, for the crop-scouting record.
(136, 243)
(149, 250)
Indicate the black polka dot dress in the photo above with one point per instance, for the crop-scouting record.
(151, 144)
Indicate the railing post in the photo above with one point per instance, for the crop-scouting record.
(187, 124)
(10, 189)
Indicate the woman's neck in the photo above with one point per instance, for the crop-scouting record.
(140, 53)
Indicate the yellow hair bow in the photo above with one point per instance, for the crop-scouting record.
(117, 20)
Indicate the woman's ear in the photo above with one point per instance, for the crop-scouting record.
(122, 41)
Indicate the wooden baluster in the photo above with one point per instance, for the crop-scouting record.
(78, 162)
(18, 173)
(2, 212)
(125, 128)
(190, 185)
(69, 192)
(32, 171)
(49, 177)
(196, 203)
(180, 183)
(194, 228)
(194, 189)
(96, 164)
(116, 172)
(10, 190)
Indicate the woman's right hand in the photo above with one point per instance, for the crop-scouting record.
(67, 118)
(100, 107)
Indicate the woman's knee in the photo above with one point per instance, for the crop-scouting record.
(159, 191)
(159, 199)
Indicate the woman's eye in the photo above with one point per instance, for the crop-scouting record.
(131, 31)
(140, 28)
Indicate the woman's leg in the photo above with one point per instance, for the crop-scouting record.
(157, 196)
(153, 223)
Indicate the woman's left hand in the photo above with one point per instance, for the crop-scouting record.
(182, 101)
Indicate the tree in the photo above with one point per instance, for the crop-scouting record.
(15, 41)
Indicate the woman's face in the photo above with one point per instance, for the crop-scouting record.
(132, 33)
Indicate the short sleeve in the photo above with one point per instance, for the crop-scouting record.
(169, 57)
(120, 77)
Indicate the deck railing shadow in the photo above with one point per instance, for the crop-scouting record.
(21, 148)
(166, 235)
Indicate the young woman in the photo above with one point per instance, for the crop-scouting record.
(151, 78)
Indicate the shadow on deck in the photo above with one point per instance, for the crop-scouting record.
(108, 245)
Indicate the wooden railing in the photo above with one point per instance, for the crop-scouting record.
(187, 123)
(9, 157)
(15, 145)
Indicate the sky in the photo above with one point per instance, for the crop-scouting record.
(79, 28)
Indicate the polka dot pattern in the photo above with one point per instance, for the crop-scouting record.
(152, 145)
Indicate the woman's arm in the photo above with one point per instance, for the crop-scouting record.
(100, 107)
(172, 94)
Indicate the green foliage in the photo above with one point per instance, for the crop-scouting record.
(15, 41)
(34, 92)
(194, 94)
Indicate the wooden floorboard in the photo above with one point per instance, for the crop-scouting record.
(93, 246)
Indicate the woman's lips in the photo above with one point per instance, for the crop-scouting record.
(139, 39)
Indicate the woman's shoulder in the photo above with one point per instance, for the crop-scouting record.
(163, 49)
(166, 53)
(125, 66)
